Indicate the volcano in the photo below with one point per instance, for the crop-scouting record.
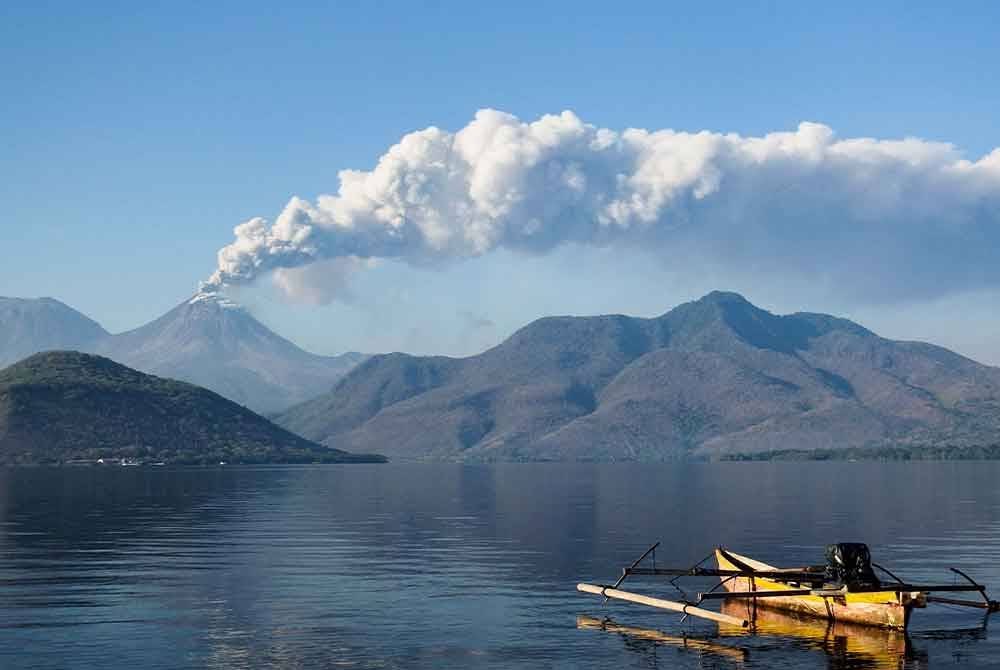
(213, 342)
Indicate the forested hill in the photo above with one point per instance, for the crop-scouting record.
(63, 406)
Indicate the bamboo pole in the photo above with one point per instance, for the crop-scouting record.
(683, 608)
(737, 595)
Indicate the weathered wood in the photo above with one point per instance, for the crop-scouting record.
(789, 575)
(683, 608)
(827, 593)
(896, 588)
(735, 595)
(871, 609)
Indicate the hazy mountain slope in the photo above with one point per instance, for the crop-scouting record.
(552, 365)
(660, 407)
(60, 406)
(211, 342)
(715, 375)
(28, 326)
(384, 382)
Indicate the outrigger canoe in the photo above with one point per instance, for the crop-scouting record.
(886, 609)
(845, 589)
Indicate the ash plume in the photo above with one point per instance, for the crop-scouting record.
(884, 218)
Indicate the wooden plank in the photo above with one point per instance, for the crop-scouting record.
(897, 588)
(789, 575)
(734, 595)
(683, 608)
(832, 593)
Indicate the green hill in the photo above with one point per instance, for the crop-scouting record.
(62, 406)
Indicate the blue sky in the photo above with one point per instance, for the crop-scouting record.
(134, 139)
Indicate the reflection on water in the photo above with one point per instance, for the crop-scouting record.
(632, 634)
(462, 566)
(845, 645)
(840, 646)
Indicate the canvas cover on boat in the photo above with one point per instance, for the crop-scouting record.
(850, 563)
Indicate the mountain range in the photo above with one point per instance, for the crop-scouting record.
(28, 326)
(207, 340)
(65, 406)
(712, 377)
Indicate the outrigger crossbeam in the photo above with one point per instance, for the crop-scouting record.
(832, 593)
(788, 574)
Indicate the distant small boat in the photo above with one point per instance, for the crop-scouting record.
(845, 589)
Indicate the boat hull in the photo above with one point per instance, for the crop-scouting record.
(885, 609)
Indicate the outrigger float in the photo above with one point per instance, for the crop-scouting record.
(845, 589)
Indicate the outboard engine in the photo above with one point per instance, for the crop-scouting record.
(850, 564)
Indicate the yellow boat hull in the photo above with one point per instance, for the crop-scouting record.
(885, 609)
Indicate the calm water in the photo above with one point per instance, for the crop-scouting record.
(452, 566)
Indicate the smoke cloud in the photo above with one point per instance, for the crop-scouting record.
(882, 218)
(321, 281)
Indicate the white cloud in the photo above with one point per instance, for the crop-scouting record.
(877, 219)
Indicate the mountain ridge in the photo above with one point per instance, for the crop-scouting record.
(28, 325)
(207, 340)
(709, 377)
